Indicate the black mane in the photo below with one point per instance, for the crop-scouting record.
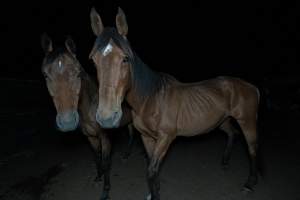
(144, 80)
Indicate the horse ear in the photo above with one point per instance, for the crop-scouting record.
(121, 23)
(96, 22)
(70, 45)
(46, 43)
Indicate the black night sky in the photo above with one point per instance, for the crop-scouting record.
(192, 41)
(257, 41)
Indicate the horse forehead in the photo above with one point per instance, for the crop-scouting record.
(108, 49)
(60, 63)
(65, 64)
(60, 66)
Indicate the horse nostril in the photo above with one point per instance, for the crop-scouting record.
(76, 117)
(98, 117)
(58, 121)
(115, 115)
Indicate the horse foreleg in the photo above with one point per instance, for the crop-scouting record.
(96, 146)
(159, 151)
(130, 142)
(106, 165)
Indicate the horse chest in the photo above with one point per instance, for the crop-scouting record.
(145, 125)
(88, 123)
(89, 129)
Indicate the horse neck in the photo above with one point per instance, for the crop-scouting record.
(145, 83)
(88, 93)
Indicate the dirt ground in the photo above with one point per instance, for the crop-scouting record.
(44, 164)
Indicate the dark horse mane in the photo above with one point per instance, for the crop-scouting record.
(145, 81)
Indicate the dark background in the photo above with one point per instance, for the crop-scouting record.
(192, 41)
(254, 40)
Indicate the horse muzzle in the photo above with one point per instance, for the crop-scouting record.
(67, 121)
(112, 121)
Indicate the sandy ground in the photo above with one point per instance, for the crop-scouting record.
(54, 166)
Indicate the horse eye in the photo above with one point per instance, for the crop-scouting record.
(125, 59)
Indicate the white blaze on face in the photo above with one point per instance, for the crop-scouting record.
(107, 49)
(60, 66)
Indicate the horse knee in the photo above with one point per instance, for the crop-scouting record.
(152, 172)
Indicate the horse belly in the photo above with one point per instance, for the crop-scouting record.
(199, 123)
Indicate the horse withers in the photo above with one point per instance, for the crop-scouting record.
(75, 96)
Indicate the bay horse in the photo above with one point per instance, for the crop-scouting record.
(75, 96)
(164, 108)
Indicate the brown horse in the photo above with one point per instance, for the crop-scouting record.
(164, 108)
(75, 95)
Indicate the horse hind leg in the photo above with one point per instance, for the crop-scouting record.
(231, 131)
(248, 126)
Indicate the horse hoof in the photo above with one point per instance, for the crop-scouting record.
(104, 197)
(249, 185)
(148, 197)
(247, 190)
